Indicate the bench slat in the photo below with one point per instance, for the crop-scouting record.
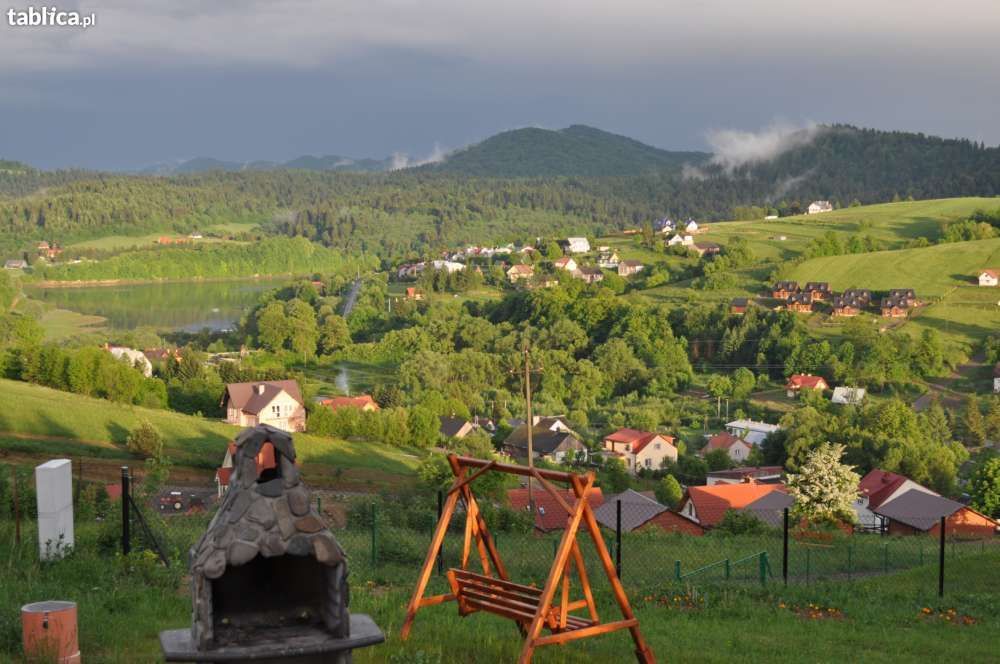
(509, 585)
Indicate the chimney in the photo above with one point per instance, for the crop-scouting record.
(259, 388)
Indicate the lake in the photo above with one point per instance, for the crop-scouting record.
(188, 306)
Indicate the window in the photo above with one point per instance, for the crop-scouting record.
(649, 463)
(276, 411)
(656, 446)
(628, 448)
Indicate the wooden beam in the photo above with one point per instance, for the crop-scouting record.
(585, 632)
(468, 480)
(525, 471)
(553, 492)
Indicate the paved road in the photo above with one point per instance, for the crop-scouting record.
(351, 298)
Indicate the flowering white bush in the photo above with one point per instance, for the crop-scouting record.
(826, 489)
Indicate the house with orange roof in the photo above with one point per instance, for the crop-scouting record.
(565, 263)
(520, 271)
(223, 474)
(737, 448)
(798, 382)
(706, 505)
(363, 402)
(640, 449)
(989, 277)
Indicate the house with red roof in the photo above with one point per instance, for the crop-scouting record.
(706, 505)
(223, 474)
(549, 514)
(363, 402)
(640, 449)
(737, 448)
(565, 263)
(879, 487)
(798, 382)
(917, 512)
(989, 277)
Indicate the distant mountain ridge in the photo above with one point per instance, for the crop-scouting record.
(577, 150)
(305, 162)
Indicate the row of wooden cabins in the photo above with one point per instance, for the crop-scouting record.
(853, 301)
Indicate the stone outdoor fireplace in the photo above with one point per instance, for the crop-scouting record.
(268, 578)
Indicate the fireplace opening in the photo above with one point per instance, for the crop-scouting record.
(268, 466)
(268, 593)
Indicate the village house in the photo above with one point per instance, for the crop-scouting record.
(640, 512)
(846, 306)
(640, 449)
(770, 217)
(15, 264)
(989, 277)
(162, 355)
(363, 402)
(549, 445)
(737, 448)
(706, 248)
(49, 251)
(277, 403)
(414, 294)
(608, 258)
(549, 513)
(707, 505)
(455, 427)
(409, 270)
(135, 358)
(862, 295)
(996, 378)
(799, 302)
(848, 395)
(819, 206)
(917, 512)
(738, 306)
(894, 307)
(798, 382)
(664, 225)
(590, 275)
(629, 268)
(565, 263)
(577, 245)
(760, 474)
(265, 460)
(691, 226)
(448, 266)
(782, 290)
(907, 295)
(516, 273)
(878, 487)
(752, 431)
(686, 240)
(817, 290)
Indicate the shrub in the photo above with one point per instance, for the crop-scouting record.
(145, 441)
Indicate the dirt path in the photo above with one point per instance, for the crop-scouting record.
(943, 386)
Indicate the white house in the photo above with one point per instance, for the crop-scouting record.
(770, 217)
(848, 395)
(989, 277)
(996, 378)
(737, 448)
(691, 226)
(135, 358)
(565, 263)
(277, 403)
(820, 206)
(450, 266)
(686, 240)
(608, 259)
(577, 245)
(640, 449)
(751, 431)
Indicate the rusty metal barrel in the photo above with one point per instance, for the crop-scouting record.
(50, 632)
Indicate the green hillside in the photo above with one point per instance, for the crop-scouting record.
(51, 421)
(577, 150)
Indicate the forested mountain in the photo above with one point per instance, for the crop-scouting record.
(575, 151)
(305, 162)
(415, 210)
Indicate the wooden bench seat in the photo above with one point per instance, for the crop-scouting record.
(476, 592)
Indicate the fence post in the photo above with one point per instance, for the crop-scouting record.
(126, 492)
(727, 569)
(941, 562)
(440, 560)
(374, 538)
(763, 568)
(784, 550)
(618, 538)
(677, 570)
(17, 508)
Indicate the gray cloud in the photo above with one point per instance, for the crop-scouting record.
(733, 148)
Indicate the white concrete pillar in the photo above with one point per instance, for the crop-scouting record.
(54, 489)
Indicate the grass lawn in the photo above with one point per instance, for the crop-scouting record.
(119, 242)
(51, 421)
(892, 618)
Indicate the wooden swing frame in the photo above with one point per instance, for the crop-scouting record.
(530, 607)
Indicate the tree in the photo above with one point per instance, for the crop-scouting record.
(333, 334)
(302, 331)
(669, 492)
(553, 250)
(973, 425)
(743, 383)
(825, 489)
(984, 487)
(719, 386)
(718, 460)
(272, 328)
(145, 441)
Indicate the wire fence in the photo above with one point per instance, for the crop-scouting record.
(386, 538)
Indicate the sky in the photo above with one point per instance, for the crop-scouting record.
(242, 80)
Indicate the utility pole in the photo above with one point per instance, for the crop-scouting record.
(530, 422)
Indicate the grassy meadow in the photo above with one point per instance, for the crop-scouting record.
(124, 242)
(47, 422)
